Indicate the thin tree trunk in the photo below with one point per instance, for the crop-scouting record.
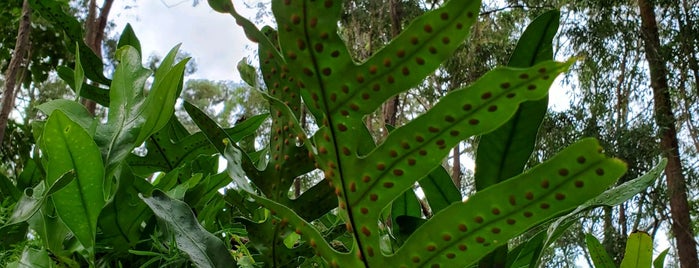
(390, 108)
(94, 33)
(664, 117)
(13, 70)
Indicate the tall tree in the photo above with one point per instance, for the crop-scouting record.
(665, 119)
(13, 76)
(95, 25)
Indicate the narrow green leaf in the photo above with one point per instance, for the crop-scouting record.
(97, 94)
(160, 103)
(491, 217)
(439, 189)
(289, 220)
(79, 74)
(504, 152)
(202, 248)
(248, 73)
(69, 147)
(659, 261)
(639, 251)
(128, 38)
(598, 254)
(406, 205)
(8, 189)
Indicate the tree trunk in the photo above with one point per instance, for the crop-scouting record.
(94, 33)
(390, 108)
(664, 117)
(13, 70)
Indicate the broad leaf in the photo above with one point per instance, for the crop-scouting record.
(639, 251)
(202, 248)
(69, 147)
(598, 254)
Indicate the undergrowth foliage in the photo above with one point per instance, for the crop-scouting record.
(92, 202)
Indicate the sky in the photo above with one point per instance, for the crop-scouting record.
(213, 39)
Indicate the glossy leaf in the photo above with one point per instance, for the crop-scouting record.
(611, 197)
(639, 251)
(307, 58)
(173, 146)
(128, 38)
(33, 198)
(202, 248)
(504, 152)
(659, 261)
(132, 116)
(69, 147)
(117, 138)
(160, 103)
(598, 254)
(487, 220)
(74, 110)
(79, 74)
(121, 219)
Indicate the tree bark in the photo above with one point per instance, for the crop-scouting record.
(13, 70)
(390, 108)
(94, 33)
(664, 117)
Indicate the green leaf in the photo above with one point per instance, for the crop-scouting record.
(659, 261)
(173, 146)
(439, 189)
(35, 258)
(97, 94)
(117, 138)
(13, 234)
(74, 110)
(202, 248)
(128, 38)
(598, 255)
(79, 74)
(414, 149)
(160, 103)
(121, 219)
(611, 197)
(504, 152)
(8, 189)
(33, 198)
(69, 147)
(248, 73)
(406, 205)
(639, 251)
(53, 12)
(491, 217)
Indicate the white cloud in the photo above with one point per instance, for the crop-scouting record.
(213, 39)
